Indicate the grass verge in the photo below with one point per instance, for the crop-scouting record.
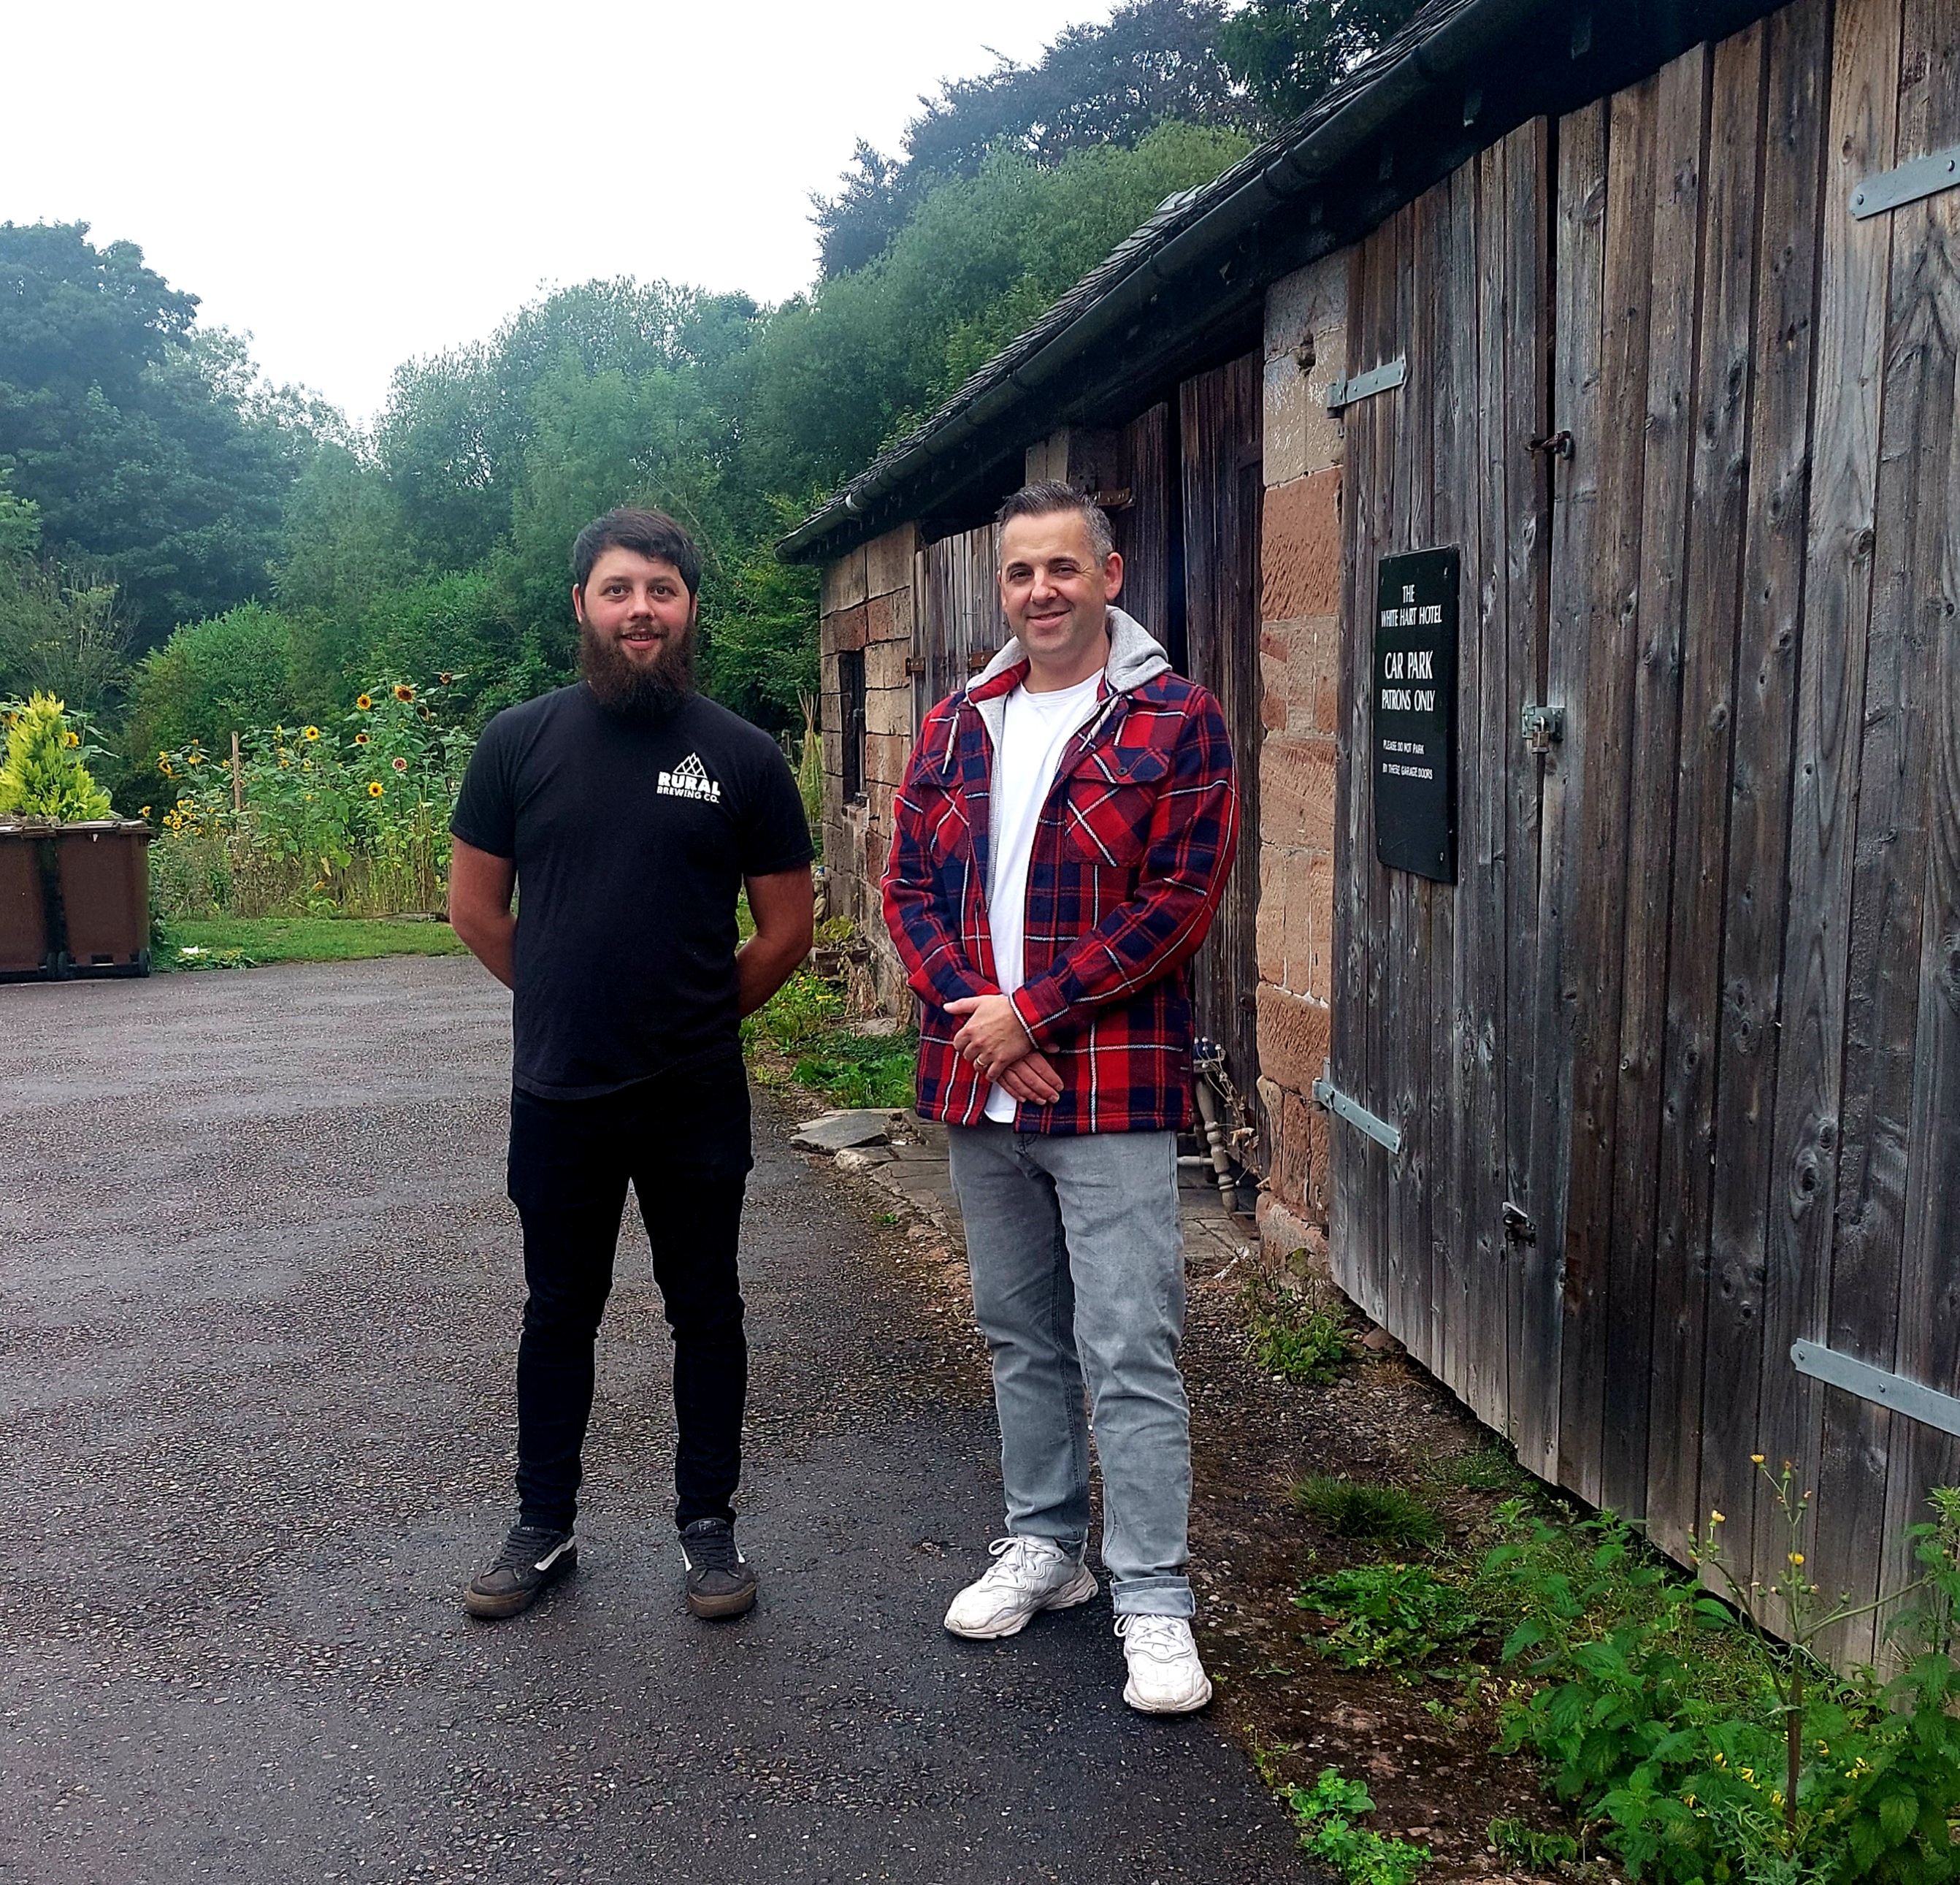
(244, 942)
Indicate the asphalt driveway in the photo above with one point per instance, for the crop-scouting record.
(259, 1292)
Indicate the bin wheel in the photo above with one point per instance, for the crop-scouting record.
(142, 962)
(58, 966)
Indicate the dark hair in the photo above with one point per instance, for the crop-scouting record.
(1046, 499)
(650, 533)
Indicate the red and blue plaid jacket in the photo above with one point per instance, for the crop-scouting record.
(1130, 858)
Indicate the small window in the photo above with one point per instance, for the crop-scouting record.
(851, 691)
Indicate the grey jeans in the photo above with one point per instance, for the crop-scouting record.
(1078, 1280)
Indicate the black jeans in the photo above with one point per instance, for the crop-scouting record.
(683, 1140)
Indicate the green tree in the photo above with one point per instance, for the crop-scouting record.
(140, 440)
(871, 353)
(212, 679)
(1155, 61)
(61, 633)
(1287, 52)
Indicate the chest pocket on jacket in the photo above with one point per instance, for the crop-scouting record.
(949, 830)
(1107, 810)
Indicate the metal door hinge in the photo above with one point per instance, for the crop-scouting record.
(1913, 1399)
(1345, 1106)
(916, 664)
(1344, 392)
(1891, 189)
(1543, 728)
(1518, 1226)
(1120, 499)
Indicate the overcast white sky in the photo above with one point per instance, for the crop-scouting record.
(359, 183)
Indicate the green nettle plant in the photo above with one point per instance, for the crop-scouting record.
(1753, 1762)
(46, 775)
(351, 822)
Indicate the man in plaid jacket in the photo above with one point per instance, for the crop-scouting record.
(1062, 842)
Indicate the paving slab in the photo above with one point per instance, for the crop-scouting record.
(258, 1302)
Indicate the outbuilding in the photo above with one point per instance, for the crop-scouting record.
(1546, 450)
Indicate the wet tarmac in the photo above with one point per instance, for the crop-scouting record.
(259, 1294)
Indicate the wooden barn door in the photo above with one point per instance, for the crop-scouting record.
(1430, 1040)
(1221, 426)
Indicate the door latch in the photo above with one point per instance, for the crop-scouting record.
(1518, 1226)
(1543, 728)
(1557, 444)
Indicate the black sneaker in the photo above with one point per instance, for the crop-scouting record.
(719, 1580)
(531, 1557)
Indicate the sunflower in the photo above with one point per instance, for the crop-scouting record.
(399, 765)
(142, 811)
(375, 788)
(71, 737)
(364, 702)
(309, 733)
(360, 739)
(403, 690)
(444, 680)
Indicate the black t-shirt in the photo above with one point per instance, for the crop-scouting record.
(631, 838)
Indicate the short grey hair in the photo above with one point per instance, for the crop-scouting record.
(1051, 496)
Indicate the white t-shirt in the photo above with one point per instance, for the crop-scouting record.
(1036, 729)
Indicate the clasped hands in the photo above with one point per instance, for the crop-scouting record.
(994, 1040)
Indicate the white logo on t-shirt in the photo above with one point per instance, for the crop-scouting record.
(689, 780)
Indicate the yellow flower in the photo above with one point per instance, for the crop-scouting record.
(364, 703)
(311, 733)
(1755, 1459)
(360, 739)
(161, 757)
(1796, 1557)
(403, 690)
(71, 737)
(1716, 1518)
(374, 788)
(193, 758)
(142, 811)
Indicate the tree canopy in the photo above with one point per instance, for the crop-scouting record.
(144, 444)
(191, 551)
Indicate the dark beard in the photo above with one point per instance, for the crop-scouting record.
(640, 690)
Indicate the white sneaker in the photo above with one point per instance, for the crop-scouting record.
(1165, 1676)
(1028, 1575)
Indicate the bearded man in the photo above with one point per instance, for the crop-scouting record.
(632, 811)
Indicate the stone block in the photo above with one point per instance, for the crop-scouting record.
(1287, 1172)
(1273, 702)
(888, 710)
(1269, 919)
(1285, 441)
(885, 664)
(888, 561)
(888, 618)
(1296, 791)
(845, 630)
(1292, 1240)
(1320, 1185)
(885, 756)
(1300, 679)
(1292, 1037)
(1300, 548)
(1316, 908)
(1310, 302)
(844, 582)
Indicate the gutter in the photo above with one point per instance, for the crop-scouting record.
(1292, 170)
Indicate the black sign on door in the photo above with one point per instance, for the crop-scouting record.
(1415, 712)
